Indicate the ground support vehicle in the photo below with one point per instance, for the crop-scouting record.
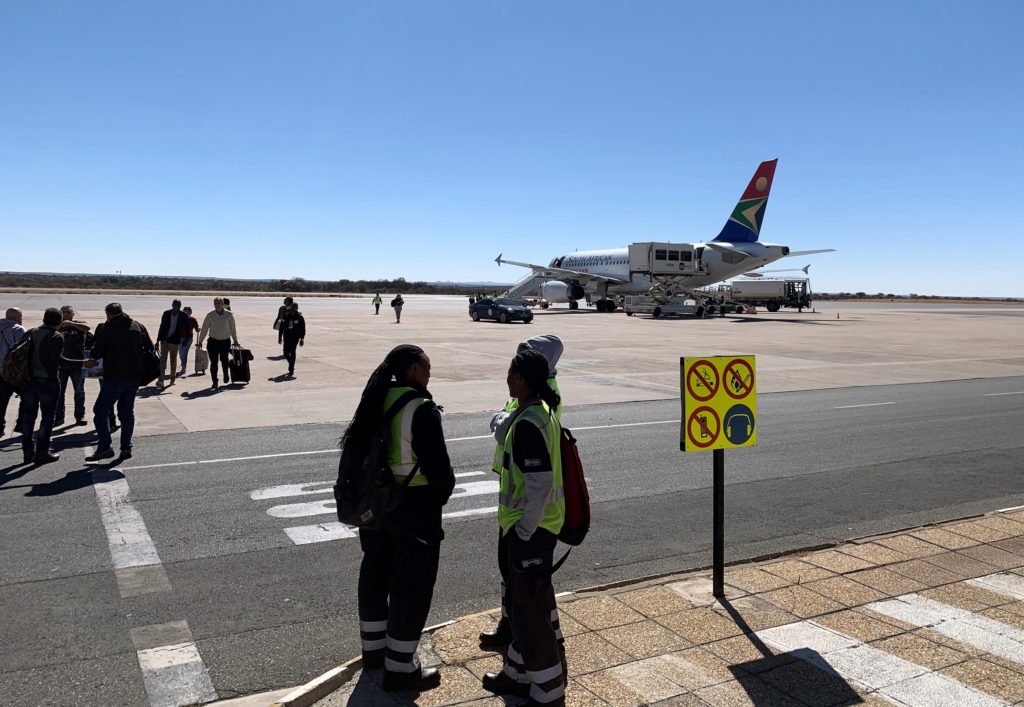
(772, 293)
(669, 307)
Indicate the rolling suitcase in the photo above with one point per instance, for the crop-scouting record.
(239, 365)
(202, 360)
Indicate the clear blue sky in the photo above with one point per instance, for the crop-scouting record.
(420, 139)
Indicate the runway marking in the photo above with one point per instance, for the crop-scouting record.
(174, 673)
(1005, 583)
(285, 490)
(889, 676)
(970, 629)
(1015, 392)
(314, 508)
(864, 405)
(326, 532)
(1008, 510)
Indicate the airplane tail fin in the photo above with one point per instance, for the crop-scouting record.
(744, 225)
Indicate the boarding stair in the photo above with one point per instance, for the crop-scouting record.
(527, 285)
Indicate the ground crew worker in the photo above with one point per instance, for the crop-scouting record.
(549, 346)
(400, 560)
(531, 509)
(376, 303)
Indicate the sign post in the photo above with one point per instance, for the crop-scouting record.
(719, 402)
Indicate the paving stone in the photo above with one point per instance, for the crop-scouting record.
(995, 556)
(886, 581)
(569, 625)
(490, 664)
(578, 696)
(966, 567)
(938, 690)
(1006, 525)
(925, 573)
(654, 601)
(966, 596)
(977, 531)
(457, 685)
(644, 639)
(811, 684)
(845, 591)
(485, 702)
(459, 642)
(600, 612)
(919, 650)
(802, 602)
(697, 590)
(874, 553)
(1009, 618)
(588, 652)
(903, 626)
(911, 546)
(989, 677)
(759, 613)
(754, 580)
(797, 571)
(944, 538)
(837, 562)
(936, 637)
(686, 700)
(1012, 545)
(747, 653)
(692, 669)
(701, 625)
(857, 625)
(630, 684)
(746, 691)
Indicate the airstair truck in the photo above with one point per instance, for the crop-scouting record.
(773, 294)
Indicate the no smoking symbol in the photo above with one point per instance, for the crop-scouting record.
(702, 380)
(739, 379)
(703, 427)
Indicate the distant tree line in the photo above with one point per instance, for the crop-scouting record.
(891, 296)
(191, 284)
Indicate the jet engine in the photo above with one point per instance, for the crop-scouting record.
(558, 291)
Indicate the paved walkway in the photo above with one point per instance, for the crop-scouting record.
(927, 617)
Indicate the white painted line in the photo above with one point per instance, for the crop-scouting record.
(627, 424)
(319, 533)
(470, 512)
(963, 626)
(1015, 392)
(892, 677)
(475, 488)
(1005, 583)
(865, 405)
(286, 490)
(1008, 510)
(130, 544)
(327, 506)
(175, 675)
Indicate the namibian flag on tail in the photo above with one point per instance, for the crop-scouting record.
(744, 225)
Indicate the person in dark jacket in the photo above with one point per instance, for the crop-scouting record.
(292, 334)
(187, 332)
(400, 559)
(120, 342)
(77, 339)
(43, 389)
(169, 338)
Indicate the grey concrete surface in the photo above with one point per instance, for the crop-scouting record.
(266, 613)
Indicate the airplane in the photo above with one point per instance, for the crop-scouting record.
(609, 274)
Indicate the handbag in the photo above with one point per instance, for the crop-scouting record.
(150, 367)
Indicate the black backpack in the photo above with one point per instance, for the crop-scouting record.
(366, 491)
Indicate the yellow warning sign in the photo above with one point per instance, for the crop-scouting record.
(719, 396)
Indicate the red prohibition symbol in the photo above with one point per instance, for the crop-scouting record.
(739, 379)
(701, 416)
(696, 374)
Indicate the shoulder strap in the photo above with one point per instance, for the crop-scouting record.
(403, 400)
(555, 567)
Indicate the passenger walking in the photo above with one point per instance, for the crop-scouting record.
(282, 311)
(220, 325)
(531, 509)
(169, 339)
(11, 332)
(376, 303)
(77, 339)
(397, 303)
(292, 334)
(121, 342)
(549, 346)
(400, 559)
(40, 396)
(187, 332)
(227, 304)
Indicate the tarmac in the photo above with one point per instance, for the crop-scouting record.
(930, 616)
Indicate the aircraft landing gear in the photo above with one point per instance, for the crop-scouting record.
(574, 305)
(605, 305)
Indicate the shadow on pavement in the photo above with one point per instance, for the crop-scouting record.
(281, 378)
(73, 481)
(204, 393)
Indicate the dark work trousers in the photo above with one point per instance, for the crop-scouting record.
(6, 392)
(119, 391)
(40, 396)
(396, 582)
(534, 657)
(74, 375)
(290, 347)
(503, 568)
(376, 308)
(218, 348)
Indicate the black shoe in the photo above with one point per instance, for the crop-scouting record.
(58, 423)
(502, 684)
(497, 639)
(126, 454)
(215, 386)
(373, 660)
(79, 421)
(423, 679)
(28, 454)
(100, 454)
(114, 426)
(47, 458)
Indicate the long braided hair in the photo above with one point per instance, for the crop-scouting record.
(370, 410)
(534, 369)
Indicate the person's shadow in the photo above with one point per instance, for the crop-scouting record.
(281, 378)
(204, 393)
(74, 480)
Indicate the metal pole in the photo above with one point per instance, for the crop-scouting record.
(718, 547)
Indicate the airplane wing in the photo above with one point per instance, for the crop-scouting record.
(810, 252)
(761, 273)
(545, 271)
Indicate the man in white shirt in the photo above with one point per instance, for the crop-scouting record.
(220, 325)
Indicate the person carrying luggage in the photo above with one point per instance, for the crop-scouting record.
(531, 510)
(220, 324)
(400, 558)
(188, 328)
(40, 396)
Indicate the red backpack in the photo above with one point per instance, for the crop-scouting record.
(577, 498)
